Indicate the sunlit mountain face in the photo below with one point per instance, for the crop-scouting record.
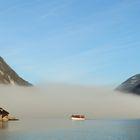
(9, 77)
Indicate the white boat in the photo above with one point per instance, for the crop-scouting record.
(78, 117)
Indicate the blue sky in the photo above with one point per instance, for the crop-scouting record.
(88, 42)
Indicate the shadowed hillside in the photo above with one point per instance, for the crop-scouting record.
(132, 85)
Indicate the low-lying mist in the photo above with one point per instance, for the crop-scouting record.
(61, 101)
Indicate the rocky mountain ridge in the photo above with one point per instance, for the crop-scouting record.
(131, 85)
(9, 77)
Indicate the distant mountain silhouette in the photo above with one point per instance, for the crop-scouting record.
(132, 85)
(9, 77)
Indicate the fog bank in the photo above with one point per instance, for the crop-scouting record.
(61, 101)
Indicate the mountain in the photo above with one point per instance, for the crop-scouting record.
(132, 85)
(9, 77)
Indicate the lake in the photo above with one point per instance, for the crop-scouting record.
(60, 129)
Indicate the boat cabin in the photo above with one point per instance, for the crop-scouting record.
(78, 117)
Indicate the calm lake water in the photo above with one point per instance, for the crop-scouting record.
(58, 129)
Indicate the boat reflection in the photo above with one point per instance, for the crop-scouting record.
(3, 125)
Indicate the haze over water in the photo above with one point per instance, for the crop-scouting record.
(61, 101)
(45, 111)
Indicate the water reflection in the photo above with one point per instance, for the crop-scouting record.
(54, 129)
(3, 125)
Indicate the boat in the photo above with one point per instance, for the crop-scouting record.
(78, 117)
